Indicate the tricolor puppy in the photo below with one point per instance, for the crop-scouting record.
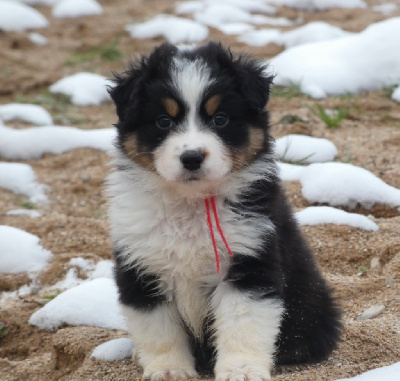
(212, 270)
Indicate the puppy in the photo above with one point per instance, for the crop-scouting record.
(212, 270)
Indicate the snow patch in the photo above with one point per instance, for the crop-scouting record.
(386, 8)
(40, 2)
(317, 215)
(23, 290)
(253, 6)
(20, 178)
(20, 251)
(257, 6)
(114, 350)
(235, 28)
(307, 149)
(76, 8)
(308, 65)
(185, 7)
(27, 112)
(261, 37)
(174, 29)
(102, 269)
(94, 303)
(84, 88)
(32, 143)
(290, 172)
(320, 5)
(17, 17)
(38, 39)
(341, 184)
(223, 13)
(311, 32)
(386, 373)
(396, 94)
(24, 212)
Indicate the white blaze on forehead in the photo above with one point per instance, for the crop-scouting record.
(191, 79)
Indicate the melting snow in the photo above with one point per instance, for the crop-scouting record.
(316, 215)
(319, 4)
(83, 88)
(27, 112)
(341, 184)
(308, 65)
(311, 32)
(76, 8)
(256, 6)
(18, 17)
(386, 8)
(40, 2)
(32, 143)
(218, 14)
(184, 7)
(94, 303)
(386, 373)
(261, 37)
(20, 251)
(396, 94)
(175, 29)
(24, 212)
(306, 149)
(20, 178)
(248, 6)
(38, 39)
(102, 269)
(235, 28)
(114, 350)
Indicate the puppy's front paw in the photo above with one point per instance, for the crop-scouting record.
(153, 374)
(243, 373)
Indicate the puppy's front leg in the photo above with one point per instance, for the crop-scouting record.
(246, 328)
(162, 346)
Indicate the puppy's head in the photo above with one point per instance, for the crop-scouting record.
(192, 115)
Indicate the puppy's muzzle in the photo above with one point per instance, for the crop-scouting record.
(192, 159)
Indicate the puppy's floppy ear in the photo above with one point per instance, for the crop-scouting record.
(125, 92)
(129, 85)
(250, 74)
(254, 81)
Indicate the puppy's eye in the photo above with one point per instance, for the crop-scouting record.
(164, 122)
(220, 119)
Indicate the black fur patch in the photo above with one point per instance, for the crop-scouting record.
(138, 289)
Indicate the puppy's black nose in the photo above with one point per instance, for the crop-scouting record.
(192, 159)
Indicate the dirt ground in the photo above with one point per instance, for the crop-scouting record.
(74, 224)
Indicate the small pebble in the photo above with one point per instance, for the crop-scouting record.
(35, 290)
(376, 265)
(371, 313)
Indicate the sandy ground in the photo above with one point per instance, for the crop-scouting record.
(75, 225)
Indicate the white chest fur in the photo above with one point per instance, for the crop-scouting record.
(169, 236)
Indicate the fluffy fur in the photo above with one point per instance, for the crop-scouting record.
(192, 124)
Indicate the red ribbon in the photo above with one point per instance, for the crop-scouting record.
(210, 226)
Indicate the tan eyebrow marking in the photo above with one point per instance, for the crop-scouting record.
(212, 104)
(171, 106)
